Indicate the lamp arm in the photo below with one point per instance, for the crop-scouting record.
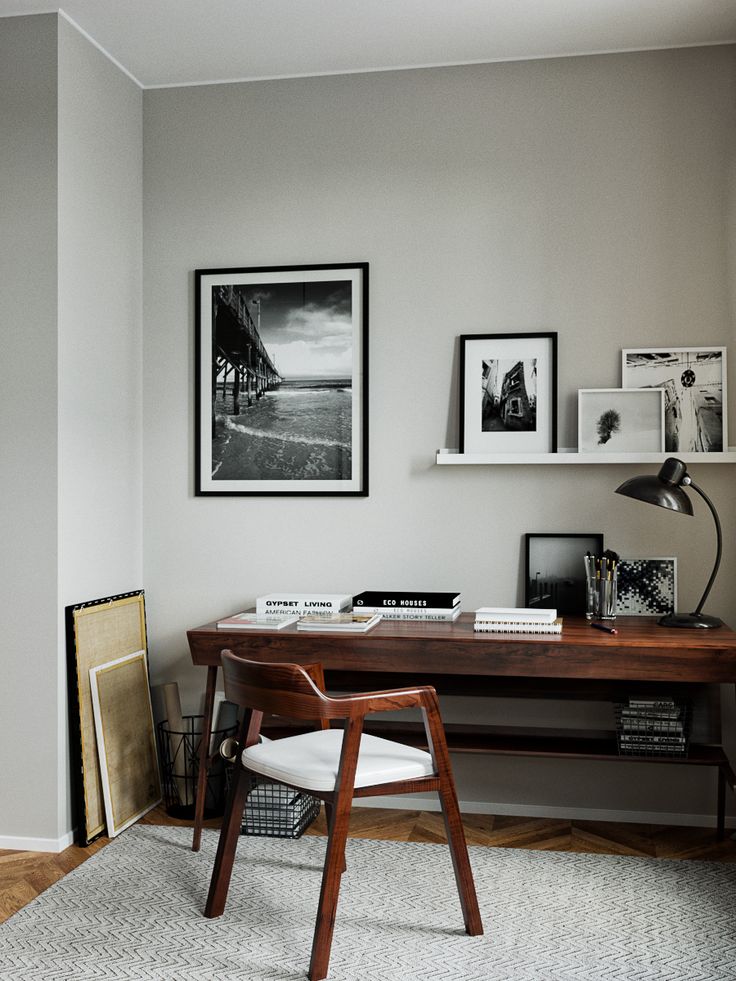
(719, 548)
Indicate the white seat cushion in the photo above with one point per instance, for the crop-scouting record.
(311, 760)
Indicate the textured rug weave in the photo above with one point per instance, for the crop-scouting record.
(134, 912)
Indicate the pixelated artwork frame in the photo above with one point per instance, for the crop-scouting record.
(647, 587)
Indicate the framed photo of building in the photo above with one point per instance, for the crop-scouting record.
(647, 587)
(620, 420)
(508, 393)
(554, 573)
(694, 383)
(281, 387)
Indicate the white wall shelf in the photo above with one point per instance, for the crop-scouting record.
(447, 458)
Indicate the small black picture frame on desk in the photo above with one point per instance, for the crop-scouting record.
(554, 571)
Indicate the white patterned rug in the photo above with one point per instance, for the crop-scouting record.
(133, 912)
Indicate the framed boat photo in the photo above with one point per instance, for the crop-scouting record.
(281, 380)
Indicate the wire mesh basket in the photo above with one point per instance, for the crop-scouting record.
(653, 726)
(179, 756)
(276, 810)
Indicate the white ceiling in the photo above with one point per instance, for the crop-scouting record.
(188, 42)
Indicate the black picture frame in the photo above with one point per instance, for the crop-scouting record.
(554, 571)
(500, 411)
(281, 380)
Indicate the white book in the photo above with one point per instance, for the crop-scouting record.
(516, 613)
(251, 621)
(303, 603)
(349, 622)
(518, 628)
(419, 613)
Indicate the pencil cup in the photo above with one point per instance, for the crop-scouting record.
(591, 589)
(606, 597)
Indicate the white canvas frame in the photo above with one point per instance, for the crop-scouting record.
(114, 829)
(646, 404)
(671, 382)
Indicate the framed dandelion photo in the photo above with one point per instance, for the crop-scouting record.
(620, 420)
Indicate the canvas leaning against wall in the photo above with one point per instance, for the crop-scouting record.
(281, 385)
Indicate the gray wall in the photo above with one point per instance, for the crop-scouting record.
(70, 387)
(29, 692)
(100, 327)
(588, 196)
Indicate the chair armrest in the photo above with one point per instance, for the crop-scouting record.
(384, 701)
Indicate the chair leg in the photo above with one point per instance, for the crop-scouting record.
(226, 846)
(333, 869)
(328, 818)
(460, 860)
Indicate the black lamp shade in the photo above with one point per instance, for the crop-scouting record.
(652, 490)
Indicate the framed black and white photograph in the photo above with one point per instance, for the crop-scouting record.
(694, 383)
(282, 380)
(647, 587)
(554, 574)
(508, 393)
(620, 420)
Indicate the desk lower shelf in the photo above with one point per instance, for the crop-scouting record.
(511, 741)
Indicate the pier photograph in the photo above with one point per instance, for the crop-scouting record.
(281, 390)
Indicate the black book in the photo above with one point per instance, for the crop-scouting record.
(406, 600)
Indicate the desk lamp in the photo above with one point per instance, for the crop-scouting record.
(666, 491)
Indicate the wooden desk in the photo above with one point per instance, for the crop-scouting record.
(578, 663)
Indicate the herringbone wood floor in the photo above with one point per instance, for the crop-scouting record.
(23, 875)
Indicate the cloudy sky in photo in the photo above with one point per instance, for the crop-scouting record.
(306, 327)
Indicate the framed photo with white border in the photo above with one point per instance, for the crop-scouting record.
(620, 420)
(694, 383)
(508, 393)
(647, 587)
(281, 380)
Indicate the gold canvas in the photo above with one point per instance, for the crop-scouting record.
(126, 743)
(102, 632)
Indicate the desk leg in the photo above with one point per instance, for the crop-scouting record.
(204, 752)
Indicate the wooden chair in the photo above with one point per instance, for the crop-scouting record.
(334, 765)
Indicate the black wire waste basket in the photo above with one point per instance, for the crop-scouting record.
(179, 756)
(276, 810)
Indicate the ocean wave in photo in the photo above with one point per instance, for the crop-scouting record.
(301, 430)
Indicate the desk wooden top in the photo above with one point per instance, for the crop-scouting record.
(640, 651)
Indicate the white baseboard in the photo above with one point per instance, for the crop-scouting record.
(411, 802)
(22, 844)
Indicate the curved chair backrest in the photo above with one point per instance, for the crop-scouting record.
(279, 689)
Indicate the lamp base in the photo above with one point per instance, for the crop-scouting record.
(697, 620)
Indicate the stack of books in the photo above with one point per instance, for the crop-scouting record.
(443, 607)
(656, 726)
(516, 620)
(303, 604)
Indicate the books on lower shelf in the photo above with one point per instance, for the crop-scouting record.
(348, 622)
(654, 726)
(251, 621)
(517, 627)
(413, 614)
(301, 604)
